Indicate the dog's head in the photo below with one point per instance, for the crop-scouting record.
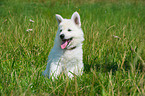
(69, 31)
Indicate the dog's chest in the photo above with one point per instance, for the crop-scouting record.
(70, 58)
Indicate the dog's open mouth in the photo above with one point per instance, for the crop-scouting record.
(65, 43)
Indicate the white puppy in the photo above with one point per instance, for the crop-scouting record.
(66, 55)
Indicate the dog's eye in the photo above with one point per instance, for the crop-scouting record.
(60, 30)
(69, 30)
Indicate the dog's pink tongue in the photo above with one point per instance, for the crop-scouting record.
(64, 44)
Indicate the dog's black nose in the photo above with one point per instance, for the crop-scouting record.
(62, 36)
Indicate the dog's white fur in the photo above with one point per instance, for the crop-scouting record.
(70, 59)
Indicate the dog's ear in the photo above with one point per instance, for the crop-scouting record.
(58, 18)
(76, 18)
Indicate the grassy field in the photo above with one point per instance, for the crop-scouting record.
(114, 47)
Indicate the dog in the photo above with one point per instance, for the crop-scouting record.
(66, 56)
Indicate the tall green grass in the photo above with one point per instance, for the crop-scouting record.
(114, 48)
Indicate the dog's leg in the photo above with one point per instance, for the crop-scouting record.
(76, 70)
(55, 70)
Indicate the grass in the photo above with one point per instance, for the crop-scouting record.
(114, 48)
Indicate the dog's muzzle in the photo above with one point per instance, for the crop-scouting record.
(65, 42)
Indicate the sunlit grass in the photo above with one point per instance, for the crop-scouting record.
(114, 48)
